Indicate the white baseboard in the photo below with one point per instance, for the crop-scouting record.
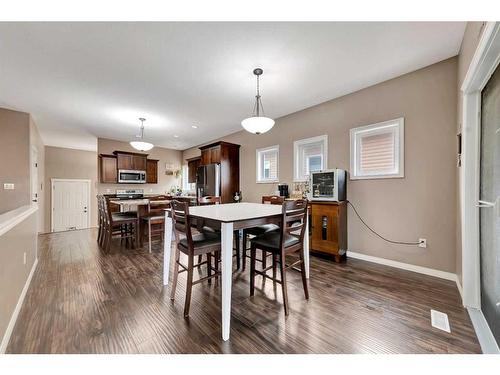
(404, 266)
(15, 313)
(483, 332)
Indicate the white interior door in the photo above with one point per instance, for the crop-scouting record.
(70, 204)
(34, 175)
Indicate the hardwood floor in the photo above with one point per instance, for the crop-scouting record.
(82, 300)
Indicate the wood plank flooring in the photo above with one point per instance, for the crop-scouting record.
(82, 300)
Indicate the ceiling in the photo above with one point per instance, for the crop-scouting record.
(81, 81)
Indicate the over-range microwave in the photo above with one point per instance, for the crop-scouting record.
(126, 176)
(328, 185)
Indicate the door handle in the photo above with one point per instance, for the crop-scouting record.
(485, 204)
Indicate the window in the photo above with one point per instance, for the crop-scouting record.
(377, 151)
(186, 186)
(310, 155)
(267, 164)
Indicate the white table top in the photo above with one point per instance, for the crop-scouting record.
(231, 212)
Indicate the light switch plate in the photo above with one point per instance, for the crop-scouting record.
(8, 186)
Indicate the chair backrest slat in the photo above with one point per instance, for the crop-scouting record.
(272, 199)
(181, 221)
(294, 219)
(208, 200)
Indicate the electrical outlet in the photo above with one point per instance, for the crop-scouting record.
(8, 186)
(24, 258)
(422, 242)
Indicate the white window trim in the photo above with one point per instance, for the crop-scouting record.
(257, 165)
(400, 149)
(297, 144)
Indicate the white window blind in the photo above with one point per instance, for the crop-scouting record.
(377, 151)
(267, 164)
(309, 156)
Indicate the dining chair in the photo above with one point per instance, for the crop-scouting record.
(123, 225)
(289, 240)
(155, 218)
(191, 245)
(210, 200)
(259, 230)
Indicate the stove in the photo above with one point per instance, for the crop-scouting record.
(130, 193)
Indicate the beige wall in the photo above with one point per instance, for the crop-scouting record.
(14, 159)
(164, 155)
(423, 204)
(470, 41)
(13, 271)
(37, 143)
(70, 163)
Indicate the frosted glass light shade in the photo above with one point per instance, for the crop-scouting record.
(141, 146)
(257, 124)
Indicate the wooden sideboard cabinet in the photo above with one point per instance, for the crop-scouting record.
(328, 228)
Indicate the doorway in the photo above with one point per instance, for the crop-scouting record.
(489, 200)
(70, 204)
(480, 188)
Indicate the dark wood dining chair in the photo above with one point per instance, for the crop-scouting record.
(288, 240)
(192, 245)
(210, 200)
(117, 224)
(259, 230)
(155, 218)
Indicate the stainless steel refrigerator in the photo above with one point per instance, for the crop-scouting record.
(208, 180)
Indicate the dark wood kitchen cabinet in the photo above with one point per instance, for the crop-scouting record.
(151, 171)
(328, 228)
(108, 169)
(193, 164)
(228, 156)
(131, 160)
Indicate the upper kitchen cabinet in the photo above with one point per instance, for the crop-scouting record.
(131, 160)
(108, 169)
(210, 154)
(151, 171)
(193, 164)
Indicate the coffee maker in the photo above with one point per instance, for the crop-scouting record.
(283, 189)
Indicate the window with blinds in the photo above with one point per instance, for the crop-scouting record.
(267, 164)
(377, 151)
(309, 156)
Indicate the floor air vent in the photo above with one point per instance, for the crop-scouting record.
(440, 321)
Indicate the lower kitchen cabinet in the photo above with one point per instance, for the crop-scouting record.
(328, 228)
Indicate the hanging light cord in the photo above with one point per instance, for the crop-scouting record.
(371, 230)
(258, 108)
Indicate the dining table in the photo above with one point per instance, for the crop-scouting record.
(228, 217)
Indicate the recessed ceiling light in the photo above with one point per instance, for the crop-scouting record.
(194, 126)
(176, 136)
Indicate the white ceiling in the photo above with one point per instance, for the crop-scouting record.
(86, 80)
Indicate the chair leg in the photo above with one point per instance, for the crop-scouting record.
(303, 273)
(238, 256)
(264, 259)
(216, 262)
(283, 282)
(109, 234)
(176, 274)
(244, 252)
(209, 267)
(149, 235)
(189, 286)
(252, 270)
(135, 228)
(274, 267)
